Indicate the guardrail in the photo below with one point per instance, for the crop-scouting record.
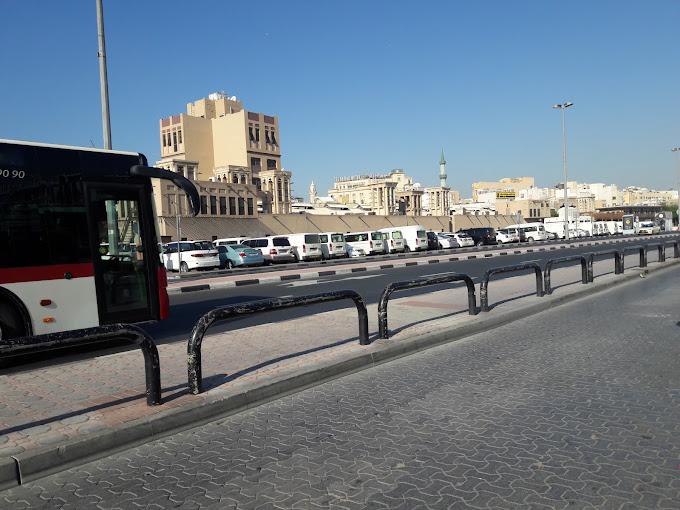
(483, 292)
(257, 307)
(563, 260)
(383, 331)
(591, 262)
(643, 255)
(659, 247)
(78, 337)
(676, 246)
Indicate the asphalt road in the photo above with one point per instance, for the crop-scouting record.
(187, 308)
(576, 407)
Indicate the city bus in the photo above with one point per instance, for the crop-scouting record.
(79, 240)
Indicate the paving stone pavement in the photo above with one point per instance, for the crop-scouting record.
(575, 407)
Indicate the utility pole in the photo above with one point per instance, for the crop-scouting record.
(103, 79)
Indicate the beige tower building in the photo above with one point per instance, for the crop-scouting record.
(231, 151)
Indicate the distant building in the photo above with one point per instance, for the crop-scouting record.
(506, 185)
(232, 153)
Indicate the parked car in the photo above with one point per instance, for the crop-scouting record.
(552, 236)
(648, 227)
(481, 235)
(372, 242)
(432, 241)
(462, 239)
(194, 254)
(332, 245)
(236, 255)
(447, 242)
(354, 251)
(394, 241)
(274, 249)
(306, 246)
(505, 236)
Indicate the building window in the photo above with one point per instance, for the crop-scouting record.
(174, 140)
(179, 135)
(258, 183)
(241, 206)
(204, 204)
(274, 142)
(244, 179)
(234, 178)
(278, 190)
(250, 207)
(191, 173)
(285, 190)
(255, 164)
(232, 206)
(223, 205)
(164, 140)
(213, 205)
(257, 136)
(271, 164)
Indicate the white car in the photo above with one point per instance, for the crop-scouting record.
(447, 242)
(354, 251)
(648, 227)
(195, 255)
(504, 236)
(462, 239)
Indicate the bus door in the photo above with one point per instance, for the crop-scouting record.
(123, 252)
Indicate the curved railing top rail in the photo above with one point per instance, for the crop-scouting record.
(257, 307)
(483, 287)
(65, 339)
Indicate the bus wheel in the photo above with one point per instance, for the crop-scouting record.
(184, 267)
(11, 323)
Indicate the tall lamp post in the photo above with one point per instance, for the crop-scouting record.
(564, 164)
(677, 158)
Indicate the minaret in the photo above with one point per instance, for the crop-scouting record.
(442, 171)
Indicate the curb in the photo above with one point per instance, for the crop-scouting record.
(41, 462)
(379, 267)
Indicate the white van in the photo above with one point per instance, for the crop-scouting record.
(305, 246)
(532, 231)
(371, 242)
(415, 236)
(333, 245)
(394, 240)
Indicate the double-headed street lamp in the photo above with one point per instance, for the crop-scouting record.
(564, 152)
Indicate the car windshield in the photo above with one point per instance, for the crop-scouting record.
(337, 238)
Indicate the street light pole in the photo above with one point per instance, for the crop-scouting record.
(564, 164)
(677, 158)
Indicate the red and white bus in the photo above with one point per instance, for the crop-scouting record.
(79, 241)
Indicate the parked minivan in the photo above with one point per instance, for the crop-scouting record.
(481, 235)
(305, 246)
(371, 242)
(229, 240)
(274, 248)
(415, 236)
(332, 245)
(394, 240)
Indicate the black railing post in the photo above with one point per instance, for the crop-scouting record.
(483, 292)
(383, 331)
(585, 273)
(640, 249)
(194, 368)
(64, 339)
(591, 262)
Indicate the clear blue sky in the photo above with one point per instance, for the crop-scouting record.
(367, 86)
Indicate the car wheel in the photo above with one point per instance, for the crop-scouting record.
(229, 264)
(407, 249)
(439, 246)
(184, 267)
(480, 243)
(531, 239)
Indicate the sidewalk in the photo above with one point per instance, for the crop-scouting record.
(52, 418)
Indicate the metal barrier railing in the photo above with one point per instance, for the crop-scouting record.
(77, 337)
(483, 292)
(591, 262)
(262, 306)
(383, 331)
(639, 248)
(564, 260)
(660, 249)
(676, 248)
